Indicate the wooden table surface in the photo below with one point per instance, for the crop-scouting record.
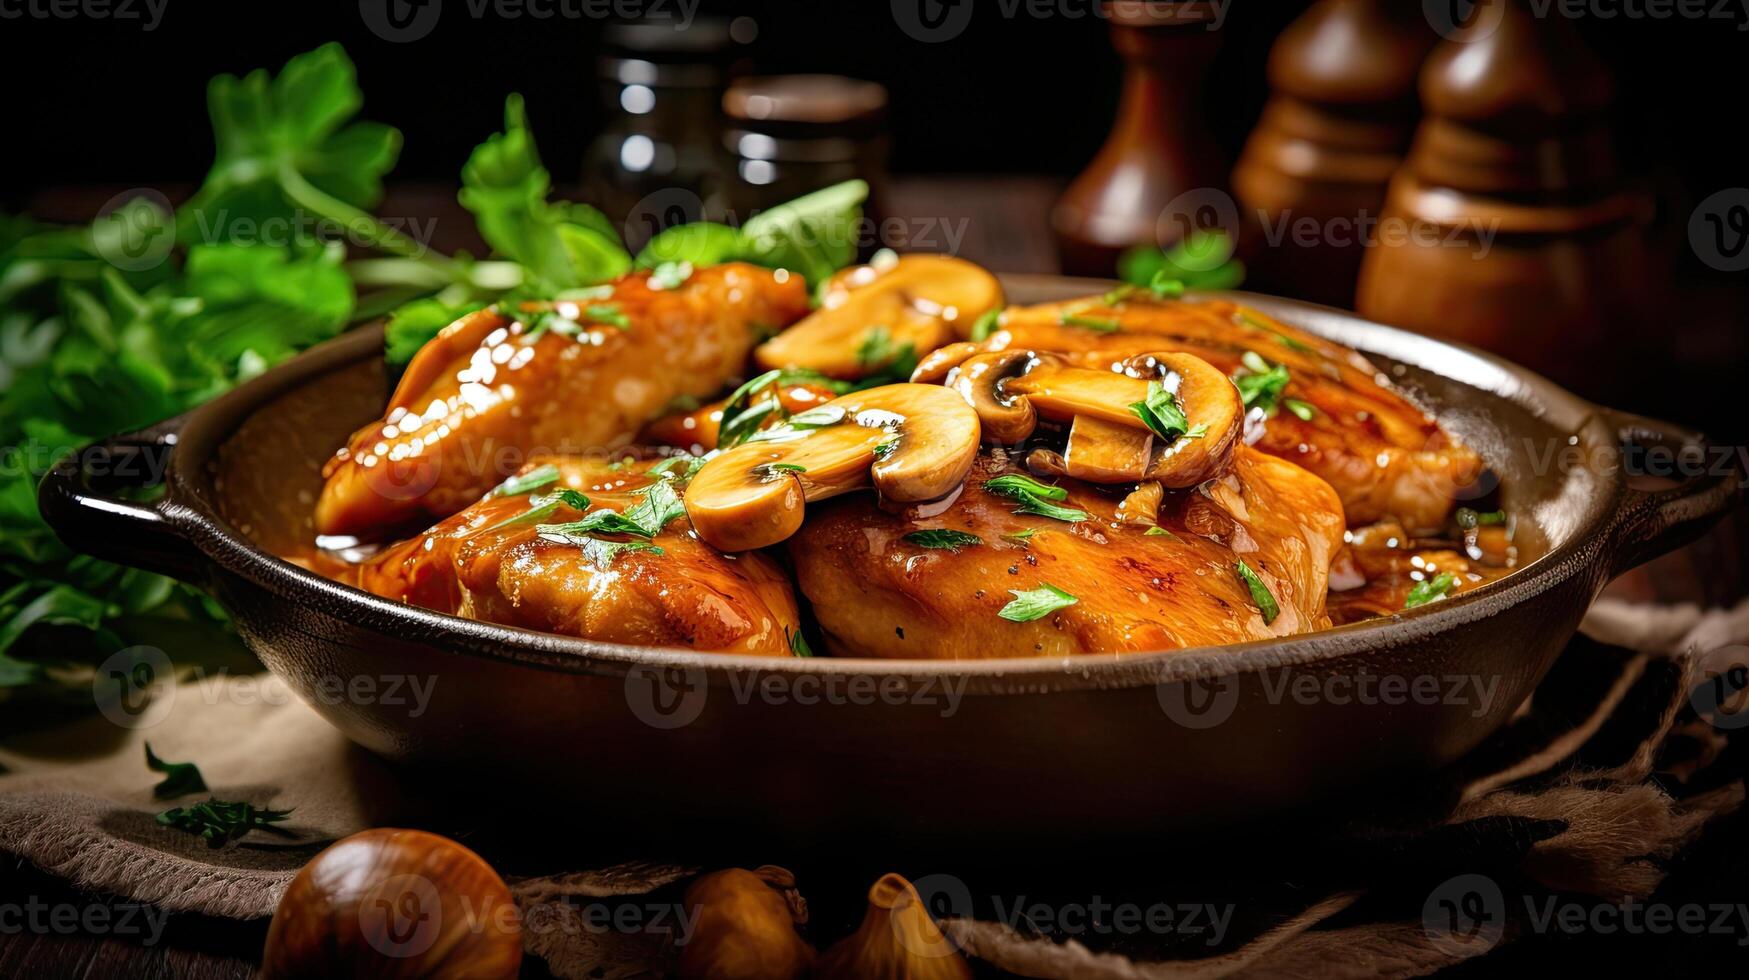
(1004, 227)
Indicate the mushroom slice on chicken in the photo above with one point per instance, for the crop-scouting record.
(944, 586)
(1331, 412)
(557, 552)
(487, 393)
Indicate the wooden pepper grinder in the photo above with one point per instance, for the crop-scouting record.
(1313, 175)
(1159, 149)
(1518, 233)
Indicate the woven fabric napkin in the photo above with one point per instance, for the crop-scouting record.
(1564, 797)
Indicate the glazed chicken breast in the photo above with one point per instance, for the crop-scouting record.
(1385, 457)
(878, 588)
(501, 560)
(489, 393)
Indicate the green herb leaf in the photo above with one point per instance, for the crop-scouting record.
(528, 482)
(180, 778)
(1036, 603)
(671, 275)
(413, 325)
(681, 469)
(660, 504)
(1260, 383)
(944, 539)
(602, 553)
(1260, 593)
(1159, 532)
(798, 644)
(1202, 260)
(700, 244)
(1164, 286)
(815, 235)
(1119, 294)
(506, 187)
(1095, 323)
(1305, 410)
(607, 313)
(987, 324)
(1021, 536)
(1430, 590)
(1291, 343)
(1471, 519)
(1035, 497)
(771, 471)
(219, 822)
(1160, 412)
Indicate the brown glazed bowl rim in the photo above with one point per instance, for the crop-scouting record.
(183, 511)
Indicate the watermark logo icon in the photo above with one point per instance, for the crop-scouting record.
(134, 230)
(943, 897)
(666, 698)
(1722, 696)
(1465, 916)
(400, 21)
(1191, 217)
(932, 21)
(1199, 703)
(135, 687)
(1464, 21)
(401, 916)
(1718, 230)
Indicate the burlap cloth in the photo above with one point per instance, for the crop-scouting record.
(1601, 776)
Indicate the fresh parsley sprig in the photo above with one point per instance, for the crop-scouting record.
(1035, 497)
(1038, 603)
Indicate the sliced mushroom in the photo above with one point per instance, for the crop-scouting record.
(1106, 452)
(1007, 419)
(1209, 400)
(1142, 506)
(871, 313)
(911, 442)
(936, 364)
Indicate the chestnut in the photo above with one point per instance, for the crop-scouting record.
(745, 927)
(402, 903)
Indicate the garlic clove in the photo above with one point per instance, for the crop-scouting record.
(896, 941)
(745, 927)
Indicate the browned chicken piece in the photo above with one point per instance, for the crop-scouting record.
(877, 594)
(1387, 458)
(484, 396)
(477, 565)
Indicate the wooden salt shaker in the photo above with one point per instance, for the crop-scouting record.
(1519, 234)
(1312, 177)
(1159, 147)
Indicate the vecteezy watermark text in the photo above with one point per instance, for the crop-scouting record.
(147, 13)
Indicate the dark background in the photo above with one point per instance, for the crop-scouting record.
(103, 105)
(104, 102)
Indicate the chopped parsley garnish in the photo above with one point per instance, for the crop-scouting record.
(1286, 341)
(886, 447)
(1260, 593)
(877, 350)
(1035, 603)
(602, 553)
(1260, 383)
(944, 539)
(1431, 590)
(645, 519)
(528, 482)
(1469, 519)
(1021, 536)
(987, 324)
(1118, 295)
(1099, 324)
(773, 471)
(1035, 497)
(219, 822)
(1164, 286)
(180, 778)
(1305, 410)
(607, 313)
(687, 467)
(798, 644)
(670, 275)
(1159, 532)
(1160, 412)
(741, 426)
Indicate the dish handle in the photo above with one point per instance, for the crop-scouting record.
(1676, 484)
(100, 501)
